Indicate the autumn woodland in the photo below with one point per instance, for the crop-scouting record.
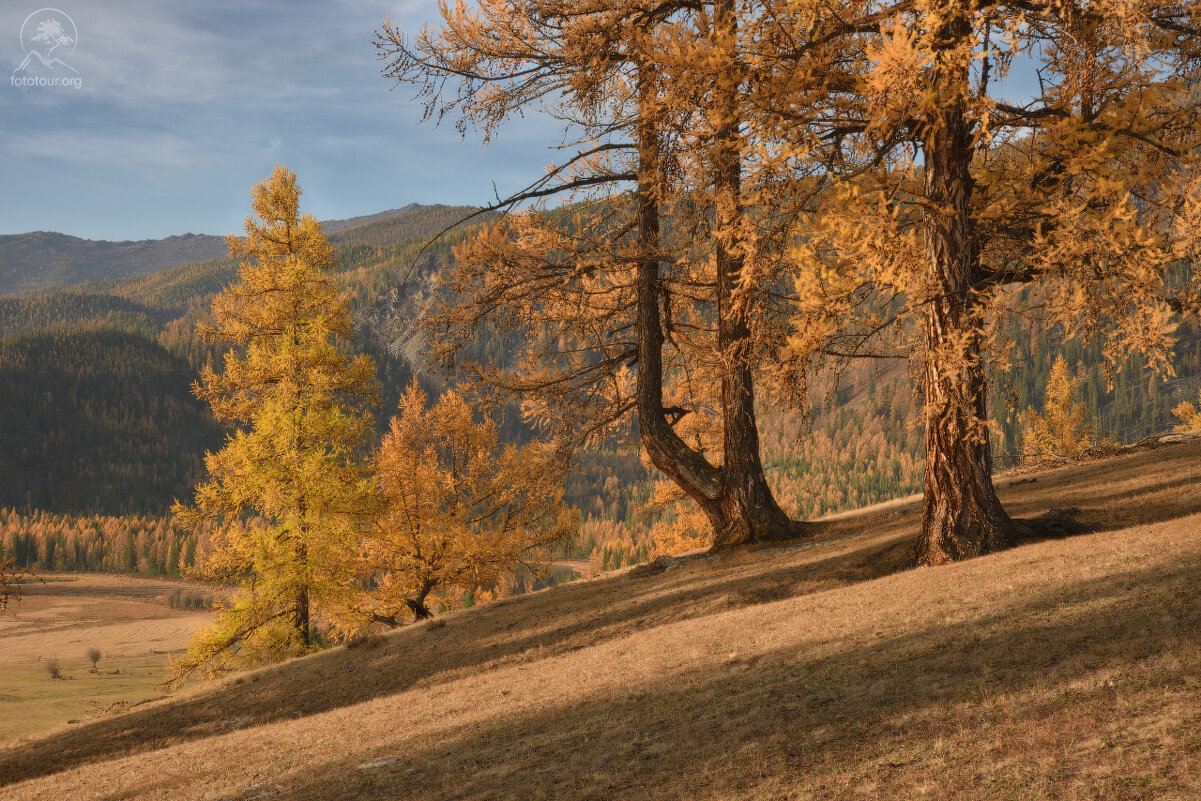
(786, 261)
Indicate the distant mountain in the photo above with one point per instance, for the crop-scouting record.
(96, 410)
(43, 259)
(335, 226)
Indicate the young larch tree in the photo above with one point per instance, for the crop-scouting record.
(285, 497)
(1062, 430)
(458, 509)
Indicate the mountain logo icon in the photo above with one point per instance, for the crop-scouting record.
(49, 36)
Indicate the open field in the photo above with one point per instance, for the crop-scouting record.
(1062, 669)
(63, 616)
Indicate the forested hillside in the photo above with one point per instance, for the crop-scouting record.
(98, 419)
(96, 410)
(98, 416)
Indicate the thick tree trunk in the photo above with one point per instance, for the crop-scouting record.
(963, 516)
(690, 470)
(750, 507)
(300, 618)
(735, 497)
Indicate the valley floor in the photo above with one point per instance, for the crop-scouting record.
(1062, 669)
(59, 618)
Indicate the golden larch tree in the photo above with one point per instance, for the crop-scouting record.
(1063, 429)
(285, 496)
(950, 201)
(1189, 416)
(458, 510)
(651, 296)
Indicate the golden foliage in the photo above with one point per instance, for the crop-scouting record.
(285, 494)
(1190, 416)
(1062, 430)
(459, 510)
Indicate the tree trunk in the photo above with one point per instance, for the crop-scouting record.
(417, 605)
(690, 470)
(751, 510)
(301, 618)
(963, 516)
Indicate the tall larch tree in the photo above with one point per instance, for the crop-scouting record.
(953, 197)
(286, 497)
(613, 313)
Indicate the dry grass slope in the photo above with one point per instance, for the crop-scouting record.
(1065, 669)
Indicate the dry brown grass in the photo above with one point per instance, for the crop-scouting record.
(1065, 669)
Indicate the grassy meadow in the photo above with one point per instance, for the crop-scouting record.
(60, 618)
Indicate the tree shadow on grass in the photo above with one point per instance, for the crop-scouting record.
(859, 714)
(563, 619)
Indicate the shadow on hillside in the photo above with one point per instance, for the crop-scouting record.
(862, 712)
(564, 619)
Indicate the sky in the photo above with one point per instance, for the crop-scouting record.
(183, 106)
(174, 110)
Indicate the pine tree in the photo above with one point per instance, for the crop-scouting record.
(1062, 430)
(459, 510)
(287, 492)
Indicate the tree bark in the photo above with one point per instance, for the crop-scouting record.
(963, 516)
(750, 507)
(690, 470)
(417, 605)
(735, 497)
(301, 618)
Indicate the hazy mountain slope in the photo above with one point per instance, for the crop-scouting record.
(1061, 669)
(334, 226)
(98, 412)
(41, 258)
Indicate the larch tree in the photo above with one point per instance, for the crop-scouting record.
(1189, 415)
(1062, 430)
(458, 509)
(10, 581)
(951, 200)
(613, 312)
(287, 494)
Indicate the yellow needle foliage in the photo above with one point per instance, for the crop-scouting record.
(459, 510)
(1189, 415)
(1062, 430)
(287, 493)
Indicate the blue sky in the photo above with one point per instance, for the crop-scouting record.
(185, 105)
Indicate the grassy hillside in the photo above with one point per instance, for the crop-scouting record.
(1063, 669)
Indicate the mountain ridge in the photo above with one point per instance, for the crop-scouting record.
(37, 260)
